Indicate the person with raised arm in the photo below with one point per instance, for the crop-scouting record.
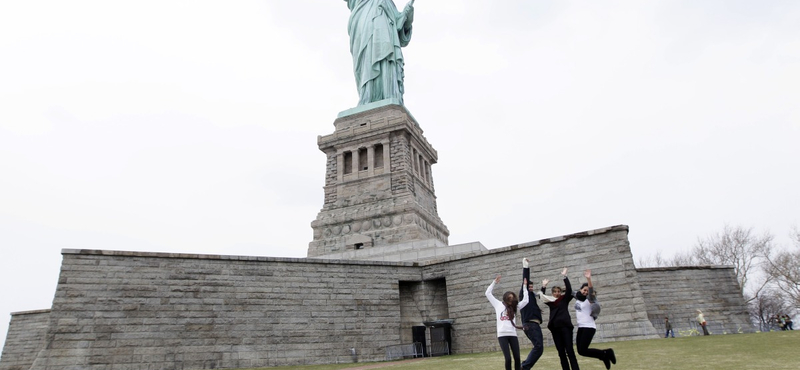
(505, 312)
(560, 323)
(584, 313)
(531, 317)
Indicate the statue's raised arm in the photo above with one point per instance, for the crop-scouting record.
(377, 32)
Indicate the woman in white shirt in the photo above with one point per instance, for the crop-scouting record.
(505, 312)
(584, 299)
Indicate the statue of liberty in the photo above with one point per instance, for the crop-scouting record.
(377, 32)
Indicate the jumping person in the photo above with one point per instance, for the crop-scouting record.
(506, 329)
(585, 297)
(531, 317)
(560, 323)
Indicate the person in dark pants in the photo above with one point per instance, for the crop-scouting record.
(505, 312)
(531, 316)
(560, 323)
(668, 327)
(585, 299)
(702, 321)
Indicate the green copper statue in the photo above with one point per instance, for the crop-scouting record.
(377, 32)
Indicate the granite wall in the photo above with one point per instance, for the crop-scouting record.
(122, 310)
(128, 310)
(605, 251)
(677, 292)
(26, 332)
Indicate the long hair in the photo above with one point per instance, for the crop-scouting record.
(510, 301)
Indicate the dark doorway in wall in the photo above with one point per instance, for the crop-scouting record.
(420, 302)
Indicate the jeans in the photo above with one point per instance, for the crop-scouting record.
(534, 332)
(562, 337)
(669, 331)
(511, 343)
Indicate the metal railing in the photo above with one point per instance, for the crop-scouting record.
(440, 348)
(399, 351)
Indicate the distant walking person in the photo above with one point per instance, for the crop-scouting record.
(702, 321)
(506, 329)
(585, 297)
(531, 317)
(668, 326)
(560, 323)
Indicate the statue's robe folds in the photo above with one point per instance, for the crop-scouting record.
(377, 32)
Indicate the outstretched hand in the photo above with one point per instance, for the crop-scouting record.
(545, 282)
(497, 279)
(587, 274)
(409, 12)
(564, 272)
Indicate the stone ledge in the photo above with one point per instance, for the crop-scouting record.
(557, 239)
(437, 259)
(676, 268)
(95, 252)
(32, 312)
(562, 238)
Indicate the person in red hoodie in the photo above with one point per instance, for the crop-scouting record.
(560, 323)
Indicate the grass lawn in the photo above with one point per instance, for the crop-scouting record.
(776, 350)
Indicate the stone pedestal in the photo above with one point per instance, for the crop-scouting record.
(378, 185)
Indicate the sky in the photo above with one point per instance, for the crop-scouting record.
(191, 126)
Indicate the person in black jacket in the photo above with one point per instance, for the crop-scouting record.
(531, 317)
(560, 323)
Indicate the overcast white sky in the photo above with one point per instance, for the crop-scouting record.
(191, 126)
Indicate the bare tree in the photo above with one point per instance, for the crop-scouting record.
(766, 279)
(784, 269)
(685, 259)
(765, 306)
(656, 260)
(738, 247)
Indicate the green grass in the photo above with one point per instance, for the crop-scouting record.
(776, 350)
